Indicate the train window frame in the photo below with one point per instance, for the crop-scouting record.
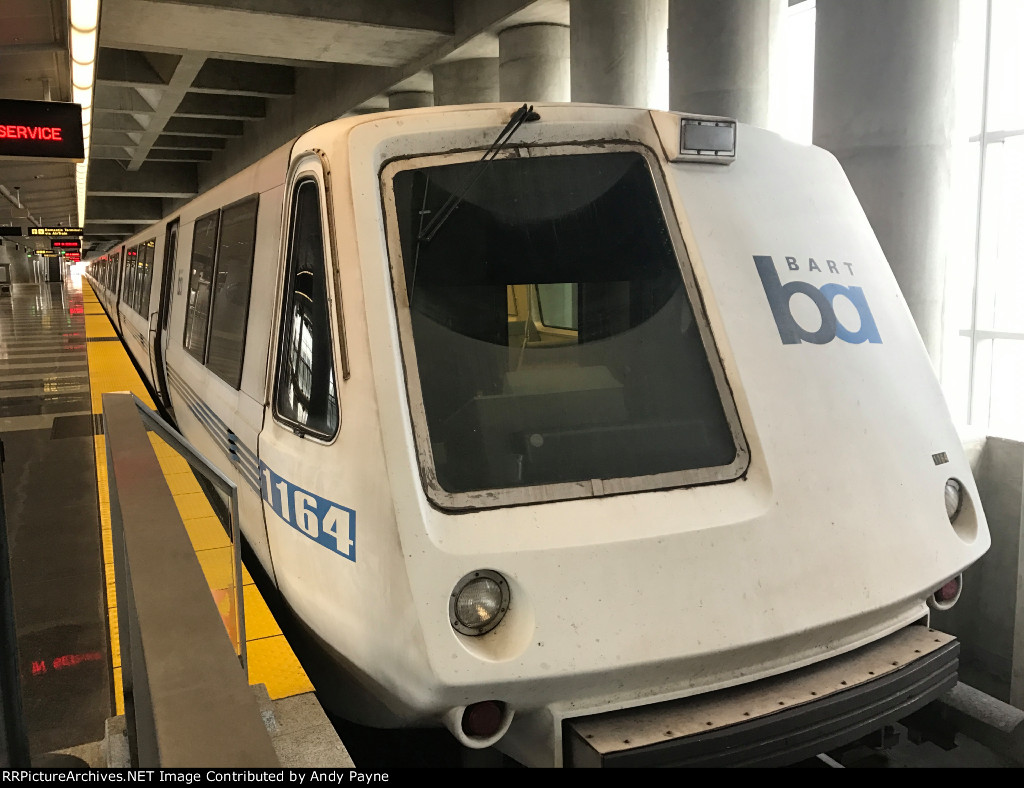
(131, 261)
(252, 198)
(147, 278)
(300, 175)
(496, 497)
(191, 271)
(117, 274)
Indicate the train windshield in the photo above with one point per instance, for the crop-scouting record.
(555, 341)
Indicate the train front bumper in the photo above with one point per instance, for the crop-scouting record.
(779, 720)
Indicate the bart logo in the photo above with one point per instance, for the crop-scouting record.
(791, 332)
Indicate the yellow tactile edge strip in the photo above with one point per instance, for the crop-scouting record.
(271, 660)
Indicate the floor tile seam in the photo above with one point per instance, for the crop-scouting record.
(26, 391)
(266, 637)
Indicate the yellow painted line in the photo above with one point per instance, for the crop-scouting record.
(271, 660)
(206, 533)
(118, 692)
(259, 623)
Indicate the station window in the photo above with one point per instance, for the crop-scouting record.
(306, 393)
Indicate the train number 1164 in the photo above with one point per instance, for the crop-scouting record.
(323, 521)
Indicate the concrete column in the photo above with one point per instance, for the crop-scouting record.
(718, 55)
(472, 81)
(883, 104)
(619, 52)
(409, 99)
(533, 63)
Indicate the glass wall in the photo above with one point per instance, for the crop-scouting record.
(983, 352)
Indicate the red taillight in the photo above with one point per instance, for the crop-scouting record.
(949, 591)
(482, 720)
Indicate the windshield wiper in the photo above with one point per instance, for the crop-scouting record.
(524, 114)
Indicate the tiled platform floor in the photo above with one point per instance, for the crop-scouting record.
(58, 354)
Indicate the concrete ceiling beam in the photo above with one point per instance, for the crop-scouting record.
(114, 98)
(117, 138)
(165, 154)
(22, 173)
(201, 105)
(187, 68)
(177, 142)
(126, 68)
(107, 230)
(244, 79)
(372, 32)
(115, 121)
(125, 210)
(153, 179)
(207, 127)
(103, 153)
(436, 15)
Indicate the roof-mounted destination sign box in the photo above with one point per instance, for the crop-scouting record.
(56, 232)
(41, 130)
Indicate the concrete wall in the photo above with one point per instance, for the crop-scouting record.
(21, 264)
(989, 618)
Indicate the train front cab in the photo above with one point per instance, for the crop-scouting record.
(708, 453)
(831, 534)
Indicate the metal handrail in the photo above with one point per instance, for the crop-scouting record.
(200, 464)
(186, 702)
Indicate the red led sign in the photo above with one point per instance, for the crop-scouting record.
(59, 244)
(51, 133)
(41, 130)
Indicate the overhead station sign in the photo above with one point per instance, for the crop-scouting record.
(56, 232)
(41, 130)
(11, 231)
(74, 245)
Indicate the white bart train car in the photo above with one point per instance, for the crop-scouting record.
(602, 436)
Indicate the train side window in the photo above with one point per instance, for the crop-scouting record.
(115, 272)
(146, 262)
(235, 246)
(130, 258)
(306, 392)
(197, 308)
(138, 253)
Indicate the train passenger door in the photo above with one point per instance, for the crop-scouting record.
(120, 264)
(158, 332)
(298, 469)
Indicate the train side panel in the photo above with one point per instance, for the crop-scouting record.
(221, 417)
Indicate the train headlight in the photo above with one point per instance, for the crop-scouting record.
(954, 498)
(478, 602)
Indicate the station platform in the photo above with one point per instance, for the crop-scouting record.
(59, 353)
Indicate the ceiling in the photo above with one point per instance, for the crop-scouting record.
(34, 65)
(189, 91)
